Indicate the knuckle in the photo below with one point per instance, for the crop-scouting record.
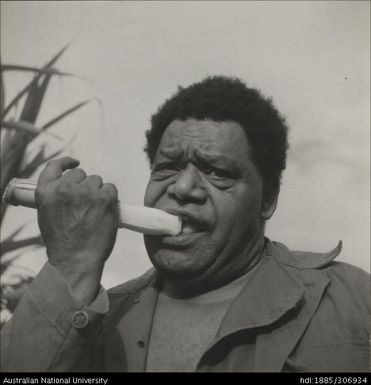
(95, 178)
(40, 193)
(85, 190)
(76, 174)
(63, 188)
(63, 159)
(45, 194)
(56, 161)
(50, 163)
(78, 171)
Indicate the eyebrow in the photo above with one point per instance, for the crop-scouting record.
(212, 158)
(173, 153)
(216, 159)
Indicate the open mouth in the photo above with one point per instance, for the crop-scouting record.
(192, 229)
(191, 225)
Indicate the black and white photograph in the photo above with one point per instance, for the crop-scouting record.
(185, 188)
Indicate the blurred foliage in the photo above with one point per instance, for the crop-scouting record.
(18, 130)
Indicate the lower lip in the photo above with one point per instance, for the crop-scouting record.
(181, 240)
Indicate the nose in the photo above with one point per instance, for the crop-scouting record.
(188, 186)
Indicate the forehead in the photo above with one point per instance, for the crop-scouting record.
(207, 136)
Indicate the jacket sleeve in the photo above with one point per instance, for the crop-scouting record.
(48, 330)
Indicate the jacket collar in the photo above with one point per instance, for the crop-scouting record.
(278, 302)
(266, 297)
(302, 259)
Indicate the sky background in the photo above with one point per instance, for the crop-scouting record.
(312, 58)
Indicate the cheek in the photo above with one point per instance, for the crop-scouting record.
(148, 196)
(153, 193)
(239, 210)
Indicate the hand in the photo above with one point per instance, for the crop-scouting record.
(78, 219)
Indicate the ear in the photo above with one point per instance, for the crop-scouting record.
(269, 205)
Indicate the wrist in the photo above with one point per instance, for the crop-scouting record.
(82, 279)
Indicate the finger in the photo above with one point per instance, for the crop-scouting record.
(110, 194)
(76, 175)
(94, 180)
(110, 191)
(54, 168)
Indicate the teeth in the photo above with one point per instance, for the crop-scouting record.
(188, 228)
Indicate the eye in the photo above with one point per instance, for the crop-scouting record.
(219, 173)
(165, 167)
(164, 170)
(220, 178)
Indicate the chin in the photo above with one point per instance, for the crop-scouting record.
(176, 265)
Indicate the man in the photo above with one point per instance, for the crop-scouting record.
(221, 297)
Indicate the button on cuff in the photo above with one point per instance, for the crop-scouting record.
(80, 319)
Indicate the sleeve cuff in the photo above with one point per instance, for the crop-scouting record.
(54, 299)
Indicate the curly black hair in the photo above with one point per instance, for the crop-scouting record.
(221, 98)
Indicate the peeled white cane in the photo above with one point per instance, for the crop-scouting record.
(142, 219)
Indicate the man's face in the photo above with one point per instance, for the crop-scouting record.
(203, 172)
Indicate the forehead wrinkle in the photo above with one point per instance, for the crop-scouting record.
(202, 150)
(215, 157)
(186, 139)
(174, 146)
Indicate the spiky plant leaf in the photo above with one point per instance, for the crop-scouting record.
(54, 59)
(24, 126)
(22, 138)
(37, 162)
(34, 99)
(14, 291)
(2, 95)
(6, 139)
(14, 233)
(21, 126)
(5, 263)
(31, 84)
(11, 244)
(46, 71)
(17, 98)
(65, 113)
(32, 165)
